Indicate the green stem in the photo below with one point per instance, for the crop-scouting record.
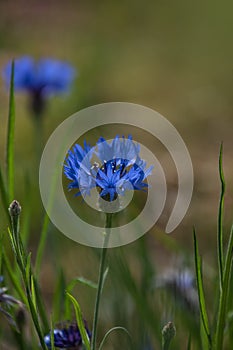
(220, 219)
(38, 127)
(168, 333)
(20, 255)
(10, 140)
(100, 280)
(224, 295)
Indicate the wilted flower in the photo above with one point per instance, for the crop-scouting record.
(119, 168)
(67, 337)
(7, 300)
(40, 79)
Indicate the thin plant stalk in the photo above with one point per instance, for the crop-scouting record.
(224, 295)
(24, 264)
(200, 289)
(101, 279)
(10, 139)
(38, 127)
(220, 220)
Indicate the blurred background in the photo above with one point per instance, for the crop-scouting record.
(175, 57)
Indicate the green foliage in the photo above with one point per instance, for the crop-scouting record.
(133, 276)
(113, 330)
(10, 140)
(203, 311)
(80, 322)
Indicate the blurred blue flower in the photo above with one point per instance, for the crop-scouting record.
(181, 285)
(66, 337)
(41, 79)
(120, 168)
(6, 301)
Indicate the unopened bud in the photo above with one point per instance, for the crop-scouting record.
(168, 333)
(14, 208)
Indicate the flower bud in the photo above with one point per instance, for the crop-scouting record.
(14, 208)
(168, 333)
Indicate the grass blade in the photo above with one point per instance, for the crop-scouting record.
(4, 194)
(69, 289)
(110, 331)
(41, 306)
(189, 342)
(83, 281)
(224, 295)
(52, 335)
(33, 293)
(200, 288)
(220, 218)
(10, 140)
(80, 321)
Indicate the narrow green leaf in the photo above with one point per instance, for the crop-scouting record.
(200, 289)
(28, 270)
(4, 194)
(10, 139)
(86, 282)
(105, 276)
(110, 331)
(33, 292)
(25, 268)
(35, 319)
(52, 335)
(41, 306)
(222, 314)
(189, 342)
(12, 241)
(220, 218)
(80, 323)
(203, 336)
(69, 289)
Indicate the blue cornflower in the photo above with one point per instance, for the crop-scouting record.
(126, 148)
(119, 169)
(79, 162)
(66, 337)
(40, 79)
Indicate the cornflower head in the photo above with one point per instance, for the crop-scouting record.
(119, 168)
(40, 79)
(67, 337)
